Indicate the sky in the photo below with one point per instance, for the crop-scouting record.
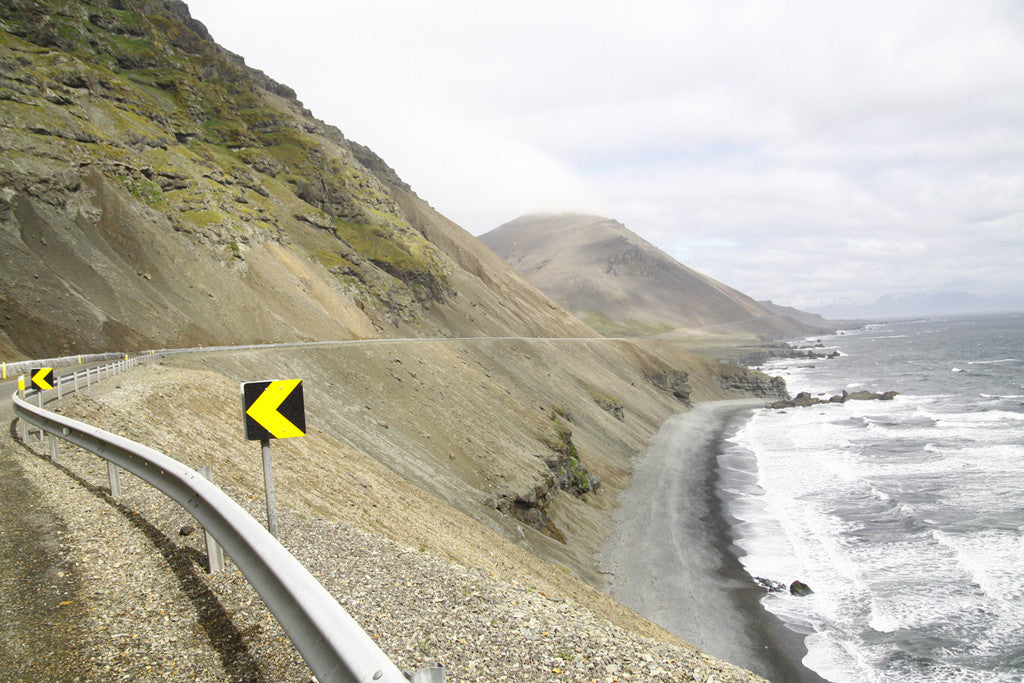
(805, 152)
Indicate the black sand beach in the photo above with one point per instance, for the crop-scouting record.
(670, 557)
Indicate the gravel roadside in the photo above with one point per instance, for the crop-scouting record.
(36, 624)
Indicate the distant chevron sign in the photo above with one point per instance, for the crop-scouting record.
(41, 378)
(273, 409)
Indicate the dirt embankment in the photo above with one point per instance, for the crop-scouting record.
(422, 440)
(523, 436)
(427, 442)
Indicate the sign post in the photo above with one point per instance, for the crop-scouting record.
(268, 486)
(272, 410)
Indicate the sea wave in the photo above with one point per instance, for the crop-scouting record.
(906, 517)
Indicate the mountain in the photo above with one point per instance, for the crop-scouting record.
(813, 320)
(622, 285)
(157, 192)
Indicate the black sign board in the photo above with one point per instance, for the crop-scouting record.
(273, 409)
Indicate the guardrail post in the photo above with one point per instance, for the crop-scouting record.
(54, 453)
(430, 674)
(214, 553)
(60, 394)
(75, 375)
(114, 475)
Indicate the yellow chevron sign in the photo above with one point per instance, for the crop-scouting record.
(273, 409)
(42, 378)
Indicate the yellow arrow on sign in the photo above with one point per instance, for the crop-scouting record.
(264, 409)
(39, 379)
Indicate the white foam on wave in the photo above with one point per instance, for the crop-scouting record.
(758, 533)
(994, 559)
(905, 517)
(809, 532)
(834, 659)
(984, 418)
(806, 461)
(885, 602)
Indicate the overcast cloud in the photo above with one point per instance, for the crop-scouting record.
(799, 151)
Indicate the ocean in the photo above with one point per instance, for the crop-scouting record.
(905, 517)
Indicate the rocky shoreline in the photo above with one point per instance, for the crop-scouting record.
(784, 350)
(805, 399)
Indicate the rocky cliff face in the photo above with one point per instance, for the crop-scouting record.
(156, 191)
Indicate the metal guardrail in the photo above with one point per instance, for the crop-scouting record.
(333, 645)
(8, 370)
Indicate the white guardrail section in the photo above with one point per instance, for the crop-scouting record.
(334, 646)
(9, 370)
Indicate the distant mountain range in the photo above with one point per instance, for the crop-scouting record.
(621, 285)
(813, 320)
(902, 306)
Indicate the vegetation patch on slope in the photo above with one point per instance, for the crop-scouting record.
(143, 94)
